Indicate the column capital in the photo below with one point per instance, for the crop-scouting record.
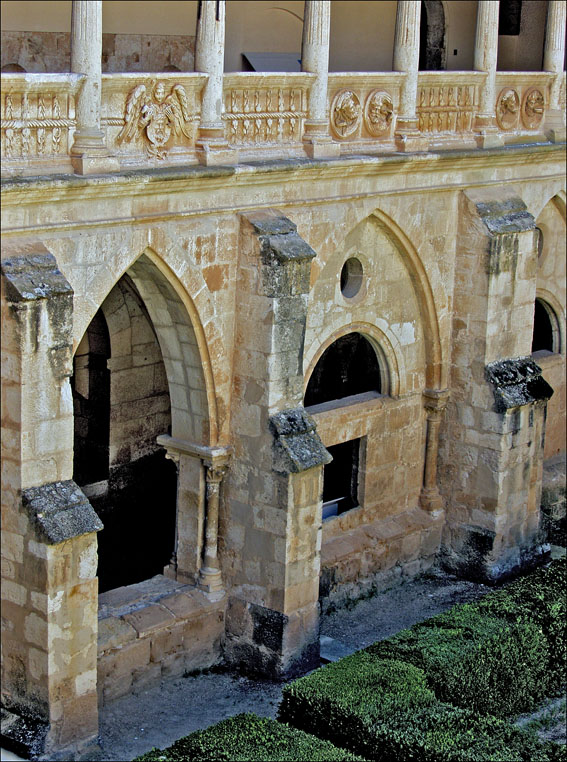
(435, 400)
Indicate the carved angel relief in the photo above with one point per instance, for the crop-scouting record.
(158, 114)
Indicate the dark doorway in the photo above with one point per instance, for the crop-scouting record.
(121, 404)
(90, 385)
(340, 479)
(432, 53)
(349, 366)
(543, 338)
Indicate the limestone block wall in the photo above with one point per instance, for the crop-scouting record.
(493, 440)
(551, 287)
(42, 51)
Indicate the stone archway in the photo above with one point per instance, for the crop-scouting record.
(432, 47)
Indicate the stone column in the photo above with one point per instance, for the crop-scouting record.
(315, 59)
(406, 60)
(435, 402)
(89, 153)
(210, 577)
(554, 55)
(485, 58)
(212, 146)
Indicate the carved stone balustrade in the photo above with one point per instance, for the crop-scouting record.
(266, 112)
(446, 106)
(38, 121)
(522, 99)
(152, 118)
(363, 108)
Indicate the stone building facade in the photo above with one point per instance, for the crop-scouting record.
(270, 339)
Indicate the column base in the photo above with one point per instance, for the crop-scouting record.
(321, 147)
(215, 152)
(210, 581)
(430, 500)
(94, 165)
(488, 139)
(555, 126)
(411, 141)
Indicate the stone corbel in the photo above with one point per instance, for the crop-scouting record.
(435, 402)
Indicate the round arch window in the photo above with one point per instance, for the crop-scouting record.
(351, 277)
(546, 329)
(349, 366)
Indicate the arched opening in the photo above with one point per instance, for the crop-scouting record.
(432, 52)
(348, 367)
(122, 403)
(546, 331)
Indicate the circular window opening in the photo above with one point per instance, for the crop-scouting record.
(351, 277)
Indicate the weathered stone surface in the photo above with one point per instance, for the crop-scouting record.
(517, 382)
(508, 216)
(297, 446)
(60, 511)
(34, 276)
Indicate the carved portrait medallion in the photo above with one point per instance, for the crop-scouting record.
(345, 113)
(507, 109)
(378, 112)
(533, 108)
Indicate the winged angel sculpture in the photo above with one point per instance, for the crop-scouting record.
(158, 114)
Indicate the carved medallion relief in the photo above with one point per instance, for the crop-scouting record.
(347, 115)
(508, 109)
(378, 112)
(533, 108)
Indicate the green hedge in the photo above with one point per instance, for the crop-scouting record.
(382, 709)
(541, 598)
(487, 664)
(248, 738)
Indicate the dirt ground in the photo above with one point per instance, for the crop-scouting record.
(160, 715)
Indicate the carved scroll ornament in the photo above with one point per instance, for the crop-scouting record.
(533, 108)
(156, 114)
(508, 109)
(345, 113)
(378, 112)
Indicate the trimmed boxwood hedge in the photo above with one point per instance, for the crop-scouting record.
(249, 738)
(382, 709)
(479, 662)
(541, 598)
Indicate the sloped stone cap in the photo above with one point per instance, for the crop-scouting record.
(34, 276)
(278, 236)
(60, 511)
(509, 216)
(516, 382)
(297, 446)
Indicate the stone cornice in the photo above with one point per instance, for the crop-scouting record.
(204, 182)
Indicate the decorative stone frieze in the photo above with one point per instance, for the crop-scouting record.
(378, 112)
(533, 108)
(345, 113)
(508, 109)
(447, 108)
(156, 113)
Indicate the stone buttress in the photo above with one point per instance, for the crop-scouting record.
(492, 456)
(49, 548)
(271, 545)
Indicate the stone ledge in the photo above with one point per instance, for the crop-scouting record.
(150, 618)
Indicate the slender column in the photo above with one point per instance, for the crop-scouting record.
(88, 152)
(406, 59)
(170, 570)
(212, 146)
(435, 402)
(315, 59)
(554, 55)
(210, 576)
(485, 59)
